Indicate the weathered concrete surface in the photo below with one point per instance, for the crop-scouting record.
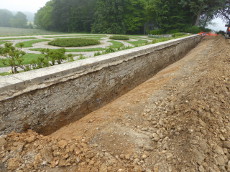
(48, 98)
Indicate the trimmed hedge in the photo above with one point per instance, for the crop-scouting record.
(73, 42)
(119, 37)
(156, 32)
(176, 35)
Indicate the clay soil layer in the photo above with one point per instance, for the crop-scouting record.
(179, 120)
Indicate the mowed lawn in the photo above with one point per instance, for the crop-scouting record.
(27, 59)
(27, 44)
(9, 31)
(115, 44)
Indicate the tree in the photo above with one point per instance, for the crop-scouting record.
(81, 15)
(109, 17)
(61, 15)
(168, 14)
(134, 16)
(43, 18)
(127, 16)
(202, 9)
(66, 15)
(179, 14)
(224, 11)
(19, 20)
(54, 56)
(5, 18)
(13, 57)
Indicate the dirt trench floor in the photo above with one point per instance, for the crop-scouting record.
(177, 121)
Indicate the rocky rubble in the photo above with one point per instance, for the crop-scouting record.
(33, 152)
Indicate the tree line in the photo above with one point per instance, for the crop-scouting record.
(8, 19)
(128, 16)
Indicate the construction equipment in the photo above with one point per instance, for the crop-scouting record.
(227, 35)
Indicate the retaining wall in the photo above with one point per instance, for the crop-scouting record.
(48, 98)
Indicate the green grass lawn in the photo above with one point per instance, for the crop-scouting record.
(1, 64)
(137, 36)
(161, 40)
(73, 50)
(4, 73)
(27, 44)
(138, 43)
(84, 50)
(27, 59)
(21, 38)
(115, 44)
(9, 31)
(77, 36)
(2, 42)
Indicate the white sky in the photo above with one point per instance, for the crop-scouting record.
(217, 24)
(22, 5)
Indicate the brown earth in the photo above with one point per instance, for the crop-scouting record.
(179, 120)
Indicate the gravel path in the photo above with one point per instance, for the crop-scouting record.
(5, 69)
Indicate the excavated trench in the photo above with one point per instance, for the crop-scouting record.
(178, 120)
(47, 99)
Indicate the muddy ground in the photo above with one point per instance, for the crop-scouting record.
(179, 120)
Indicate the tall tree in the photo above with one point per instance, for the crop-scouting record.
(119, 16)
(73, 15)
(135, 16)
(5, 18)
(109, 16)
(177, 14)
(81, 16)
(43, 18)
(224, 11)
(61, 15)
(66, 15)
(19, 20)
(126, 16)
(202, 8)
(168, 14)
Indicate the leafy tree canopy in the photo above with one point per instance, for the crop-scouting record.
(128, 16)
(7, 19)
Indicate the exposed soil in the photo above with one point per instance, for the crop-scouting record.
(179, 120)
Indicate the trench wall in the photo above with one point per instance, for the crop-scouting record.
(48, 98)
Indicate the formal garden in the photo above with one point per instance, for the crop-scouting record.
(23, 53)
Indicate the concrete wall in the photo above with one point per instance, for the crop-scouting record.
(48, 98)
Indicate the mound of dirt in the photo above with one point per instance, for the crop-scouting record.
(33, 152)
(179, 120)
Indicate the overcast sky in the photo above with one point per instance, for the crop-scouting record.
(217, 24)
(22, 5)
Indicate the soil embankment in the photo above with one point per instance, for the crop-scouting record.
(179, 120)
